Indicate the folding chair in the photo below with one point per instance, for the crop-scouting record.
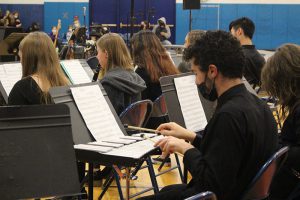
(160, 115)
(203, 196)
(136, 114)
(260, 185)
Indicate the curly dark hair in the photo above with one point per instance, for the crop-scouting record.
(221, 49)
(244, 23)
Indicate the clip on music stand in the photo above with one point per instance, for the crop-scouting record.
(37, 155)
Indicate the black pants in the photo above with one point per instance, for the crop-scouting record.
(172, 192)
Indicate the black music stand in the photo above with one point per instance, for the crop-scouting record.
(37, 156)
(9, 46)
(81, 135)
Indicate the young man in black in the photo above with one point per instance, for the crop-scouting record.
(239, 138)
(243, 29)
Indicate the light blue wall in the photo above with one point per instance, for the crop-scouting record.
(275, 24)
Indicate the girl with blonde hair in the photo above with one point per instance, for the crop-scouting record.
(40, 71)
(122, 85)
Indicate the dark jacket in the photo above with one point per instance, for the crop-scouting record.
(237, 141)
(123, 87)
(286, 180)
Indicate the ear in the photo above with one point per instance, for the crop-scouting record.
(212, 71)
(240, 31)
(106, 54)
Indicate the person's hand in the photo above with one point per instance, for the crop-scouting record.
(173, 129)
(172, 145)
(163, 34)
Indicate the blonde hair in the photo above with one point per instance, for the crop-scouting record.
(39, 57)
(281, 77)
(118, 54)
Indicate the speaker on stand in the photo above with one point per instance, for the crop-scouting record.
(191, 5)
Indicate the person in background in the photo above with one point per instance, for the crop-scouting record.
(17, 19)
(236, 142)
(145, 25)
(53, 33)
(281, 79)
(69, 33)
(122, 85)
(243, 29)
(76, 22)
(190, 39)
(162, 31)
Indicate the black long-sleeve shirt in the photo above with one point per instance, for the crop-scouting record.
(253, 64)
(153, 89)
(285, 181)
(25, 92)
(238, 140)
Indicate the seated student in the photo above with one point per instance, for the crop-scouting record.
(243, 29)
(122, 85)
(152, 61)
(240, 137)
(17, 19)
(162, 31)
(190, 39)
(281, 79)
(40, 71)
(145, 25)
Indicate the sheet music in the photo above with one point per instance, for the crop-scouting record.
(75, 71)
(96, 112)
(190, 103)
(9, 75)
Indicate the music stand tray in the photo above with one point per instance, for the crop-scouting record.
(37, 156)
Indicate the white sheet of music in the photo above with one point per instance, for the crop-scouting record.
(9, 75)
(75, 71)
(96, 112)
(190, 103)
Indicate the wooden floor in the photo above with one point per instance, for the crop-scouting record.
(141, 183)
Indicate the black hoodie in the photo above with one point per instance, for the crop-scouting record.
(123, 87)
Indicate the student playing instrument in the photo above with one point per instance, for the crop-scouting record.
(40, 71)
(122, 85)
(239, 138)
(281, 79)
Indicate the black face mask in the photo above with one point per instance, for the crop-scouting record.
(209, 94)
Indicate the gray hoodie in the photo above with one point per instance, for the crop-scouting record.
(123, 87)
